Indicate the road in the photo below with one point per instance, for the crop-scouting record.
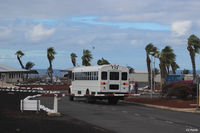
(130, 118)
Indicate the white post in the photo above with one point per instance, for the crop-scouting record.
(55, 104)
(151, 78)
(154, 74)
(198, 100)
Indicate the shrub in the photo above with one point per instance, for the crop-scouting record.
(181, 89)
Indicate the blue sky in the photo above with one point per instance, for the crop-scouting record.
(118, 29)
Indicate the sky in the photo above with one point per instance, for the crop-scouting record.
(116, 30)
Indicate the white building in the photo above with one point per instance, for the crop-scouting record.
(10, 74)
(141, 76)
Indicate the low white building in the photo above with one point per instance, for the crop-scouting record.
(141, 76)
(10, 74)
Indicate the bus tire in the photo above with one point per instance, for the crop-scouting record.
(113, 100)
(71, 98)
(89, 99)
(87, 92)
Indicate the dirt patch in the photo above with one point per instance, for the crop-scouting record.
(30, 122)
(176, 103)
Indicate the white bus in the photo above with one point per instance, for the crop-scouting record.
(100, 82)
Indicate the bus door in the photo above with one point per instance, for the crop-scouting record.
(114, 84)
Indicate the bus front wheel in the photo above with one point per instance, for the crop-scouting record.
(113, 100)
(71, 98)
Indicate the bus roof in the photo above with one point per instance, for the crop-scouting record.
(88, 68)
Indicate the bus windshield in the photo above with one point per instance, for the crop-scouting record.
(114, 75)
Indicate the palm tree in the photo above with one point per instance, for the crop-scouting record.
(174, 67)
(86, 58)
(150, 50)
(73, 59)
(167, 57)
(51, 56)
(102, 61)
(29, 65)
(20, 54)
(131, 70)
(193, 48)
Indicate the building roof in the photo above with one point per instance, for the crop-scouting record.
(5, 69)
(140, 71)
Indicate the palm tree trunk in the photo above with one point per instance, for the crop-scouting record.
(173, 69)
(192, 56)
(74, 62)
(20, 62)
(193, 66)
(167, 69)
(149, 69)
(51, 72)
(163, 73)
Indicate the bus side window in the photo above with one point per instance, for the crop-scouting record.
(97, 76)
(92, 75)
(89, 75)
(85, 75)
(104, 75)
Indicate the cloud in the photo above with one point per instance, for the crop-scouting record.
(180, 28)
(38, 32)
(5, 32)
(136, 43)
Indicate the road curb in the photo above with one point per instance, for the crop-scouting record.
(189, 110)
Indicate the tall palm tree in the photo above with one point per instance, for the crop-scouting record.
(193, 48)
(20, 54)
(167, 57)
(150, 50)
(51, 56)
(86, 58)
(73, 59)
(102, 61)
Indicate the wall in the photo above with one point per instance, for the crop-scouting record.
(142, 77)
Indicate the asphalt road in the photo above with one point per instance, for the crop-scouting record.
(130, 118)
